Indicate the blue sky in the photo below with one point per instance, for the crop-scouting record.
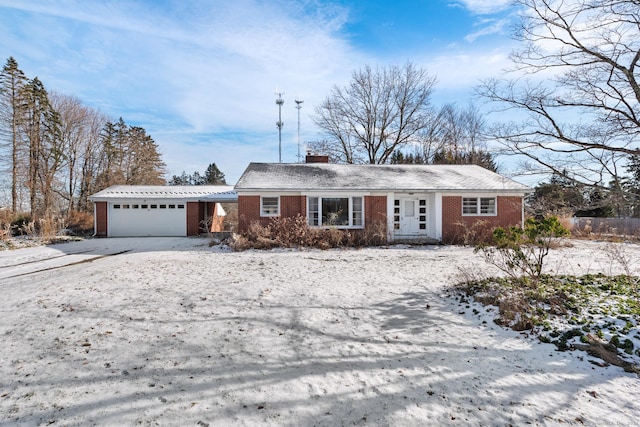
(200, 75)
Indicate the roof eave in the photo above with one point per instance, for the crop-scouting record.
(386, 190)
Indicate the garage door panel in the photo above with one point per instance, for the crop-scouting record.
(133, 219)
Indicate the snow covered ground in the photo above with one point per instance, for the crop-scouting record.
(169, 331)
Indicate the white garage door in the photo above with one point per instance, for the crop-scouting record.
(144, 218)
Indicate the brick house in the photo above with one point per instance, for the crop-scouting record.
(442, 203)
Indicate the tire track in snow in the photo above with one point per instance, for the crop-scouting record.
(33, 261)
(82, 261)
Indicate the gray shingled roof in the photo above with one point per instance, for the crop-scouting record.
(326, 176)
(217, 193)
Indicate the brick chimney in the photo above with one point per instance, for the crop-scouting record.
(316, 158)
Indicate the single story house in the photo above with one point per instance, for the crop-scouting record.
(441, 203)
(149, 210)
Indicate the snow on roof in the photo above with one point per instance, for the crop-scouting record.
(205, 193)
(326, 176)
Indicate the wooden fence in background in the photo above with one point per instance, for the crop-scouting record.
(616, 226)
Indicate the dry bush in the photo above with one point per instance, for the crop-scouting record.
(467, 274)
(80, 223)
(602, 229)
(291, 231)
(515, 312)
(516, 301)
(585, 231)
(295, 232)
(618, 255)
(231, 220)
(28, 229)
(374, 235)
(332, 238)
(20, 224)
(566, 222)
(47, 227)
(259, 237)
(240, 242)
(473, 234)
(5, 224)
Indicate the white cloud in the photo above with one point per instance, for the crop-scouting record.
(200, 76)
(203, 66)
(482, 7)
(488, 28)
(455, 82)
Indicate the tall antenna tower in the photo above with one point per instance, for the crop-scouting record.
(279, 124)
(298, 107)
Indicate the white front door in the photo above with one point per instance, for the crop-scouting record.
(410, 216)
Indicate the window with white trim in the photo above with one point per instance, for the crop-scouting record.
(269, 206)
(329, 211)
(478, 206)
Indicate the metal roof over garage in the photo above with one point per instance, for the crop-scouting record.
(191, 193)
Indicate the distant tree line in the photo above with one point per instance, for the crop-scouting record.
(563, 196)
(211, 176)
(453, 136)
(55, 152)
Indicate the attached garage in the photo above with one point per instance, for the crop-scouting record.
(147, 219)
(140, 211)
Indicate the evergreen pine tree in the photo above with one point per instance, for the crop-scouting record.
(12, 83)
(213, 176)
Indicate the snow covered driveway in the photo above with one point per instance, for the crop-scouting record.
(169, 331)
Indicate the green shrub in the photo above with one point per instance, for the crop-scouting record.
(520, 252)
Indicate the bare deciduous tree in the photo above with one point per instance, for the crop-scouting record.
(576, 97)
(452, 136)
(380, 111)
(80, 128)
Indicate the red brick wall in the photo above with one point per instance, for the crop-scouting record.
(457, 228)
(249, 210)
(101, 219)
(375, 210)
(291, 206)
(195, 212)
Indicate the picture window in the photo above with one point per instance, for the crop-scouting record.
(336, 211)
